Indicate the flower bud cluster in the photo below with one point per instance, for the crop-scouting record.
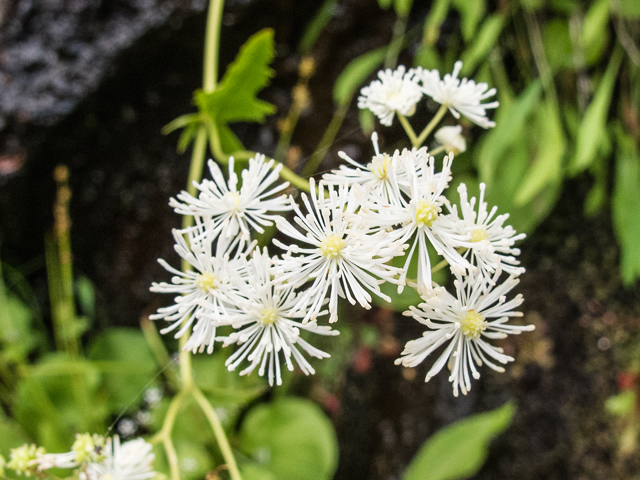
(92, 456)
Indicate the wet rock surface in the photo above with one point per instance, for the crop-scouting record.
(90, 85)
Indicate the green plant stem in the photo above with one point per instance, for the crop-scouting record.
(327, 139)
(395, 46)
(212, 46)
(163, 358)
(437, 150)
(432, 124)
(409, 129)
(223, 443)
(439, 266)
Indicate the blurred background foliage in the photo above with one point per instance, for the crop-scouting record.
(567, 77)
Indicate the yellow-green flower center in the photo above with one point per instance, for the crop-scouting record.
(268, 316)
(331, 246)
(472, 324)
(479, 234)
(426, 213)
(233, 200)
(380, 166)
(206, 282)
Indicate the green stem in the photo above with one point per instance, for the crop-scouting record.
(409, 129)
(395, 46)
(156, 344)
(212, 46)
(326, 141)
(218, 431)
(439, 266)
(437, 150)
(432, 124)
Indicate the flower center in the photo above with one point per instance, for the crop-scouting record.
(233, 200)
(479, 234)
(472, 324)
(206, 282)
(426, 213)
(331, 246)
(268, 316)
(380, 166)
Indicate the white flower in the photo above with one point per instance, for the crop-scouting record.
(209, 288)
(461, 96)
(451, 139)
(133, 460)
(377, 174)
(339, 256)
(478, 314)
(420, 217)
(221, 207)
(395, 92)
(266, 327)
(492, 242)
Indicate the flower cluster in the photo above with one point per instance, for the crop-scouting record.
(340, 241)
(398, 92)
(93, 456)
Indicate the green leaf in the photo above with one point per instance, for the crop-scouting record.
(628, 9)
(547, 166)
(595, 22)
(385, 4)
(402, 7)
(508, 123)
(557, 44)
(471, 13)
(235, 98)
(59, 395)
(626, 205)
(252, 471)
(86, 296)
(355, 73)
(292, 438)
(127, 345)
(459, 450)
(592, 127)
(483, 43)
(437, 15)
(315, 27)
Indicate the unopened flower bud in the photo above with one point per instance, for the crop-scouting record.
(452, 140)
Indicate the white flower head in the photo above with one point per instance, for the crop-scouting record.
(225, 208)
(451, 139)
(492, 242)
(465, 324)
(338, 254)
(132, 460)
(208, 289)
(419, 216)
(394, 92)
(461, 96)
(268, 328)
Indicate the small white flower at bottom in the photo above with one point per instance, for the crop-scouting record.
(394, 92)
(461, 96)
(464, 324)
(267, 326)
(132, 460)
